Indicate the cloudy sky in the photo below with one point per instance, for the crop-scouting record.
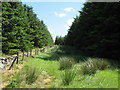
(58, 16)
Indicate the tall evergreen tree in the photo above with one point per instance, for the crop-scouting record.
(96, 30)
(22, 30)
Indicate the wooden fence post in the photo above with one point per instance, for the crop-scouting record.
(27, 54)
(23, 56)
(12, 63)
(17, 57)
(30, 52)
(35, 51)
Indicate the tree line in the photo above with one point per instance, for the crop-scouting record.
(60, 40)
(96, 30)
(21, 29)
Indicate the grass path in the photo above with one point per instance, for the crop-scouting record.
(48, 69)
(47, 74)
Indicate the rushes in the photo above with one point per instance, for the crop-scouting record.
(66, 63)
(29, 75)
(32, 75)
(93, 64)
(90, 66)
(67, 77)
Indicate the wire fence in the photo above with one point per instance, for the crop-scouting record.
(10, 61)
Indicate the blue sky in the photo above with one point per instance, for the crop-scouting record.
(57, 16)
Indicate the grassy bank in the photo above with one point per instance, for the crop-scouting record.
(58, 68)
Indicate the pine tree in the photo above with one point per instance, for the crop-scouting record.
(22, 30)
(95, 31)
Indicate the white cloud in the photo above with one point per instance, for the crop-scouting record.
(60, 14)
(69, 23)
(69, 9)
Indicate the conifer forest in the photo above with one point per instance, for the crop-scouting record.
(87, 57)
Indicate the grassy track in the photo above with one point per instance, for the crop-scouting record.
(43, 71)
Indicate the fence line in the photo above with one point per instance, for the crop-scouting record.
(7, 60)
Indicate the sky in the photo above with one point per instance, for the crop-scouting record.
(57, 16)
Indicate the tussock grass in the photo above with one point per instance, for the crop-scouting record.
(28, 74)
(32, 74)
(101, 79)
(66, 63)
(91, 65)
(67, 77)
(75, 75)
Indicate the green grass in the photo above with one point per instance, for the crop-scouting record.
(29, 74)
(67, 77)
(66, 63)
(102, 79)
(91, 65)
(47, 65)
(45, 68)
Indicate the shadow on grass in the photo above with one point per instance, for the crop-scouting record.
(69, 51)
(64, 51)
(50, 57)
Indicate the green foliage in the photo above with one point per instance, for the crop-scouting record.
(88, 68)
(32, 75)
(48, 69)
(13, 83)
(66, 63)
(45, 69)
(101, 79)
(28, 74)
(21, 29)
(67, 77)
(93, 64)
(60, 40)
(101, 64)
(96, 30)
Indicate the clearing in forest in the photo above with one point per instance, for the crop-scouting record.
(65, 67)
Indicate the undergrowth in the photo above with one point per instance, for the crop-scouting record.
(66, 63)
(62, 71)
(67, 77)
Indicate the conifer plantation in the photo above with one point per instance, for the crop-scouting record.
(87, 57)
(21, 29)
(96, 30)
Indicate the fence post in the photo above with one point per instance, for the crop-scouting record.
(23, 56)
(27, 54)
(30, 52)
(12, 63)
(17, 57)
(35, 51)
(38, 51)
